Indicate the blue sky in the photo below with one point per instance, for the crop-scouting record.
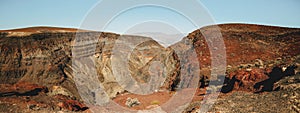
(70, 13)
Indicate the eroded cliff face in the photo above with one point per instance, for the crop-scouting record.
(38, 58)
(46, 59)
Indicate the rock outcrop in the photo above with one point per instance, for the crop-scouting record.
(44, 58)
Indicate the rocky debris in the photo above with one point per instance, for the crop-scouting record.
(193, 107)
(69, 104)
(41, 104)
(259, 63)
(45, 59)
(243, 102)
(28, 97)
(285, 98)
(256, 79)
(146, 101)
(59, 90)
(275, 75)
(243, 80)
(9, 107)
(288, 83)
(36, 106)
(21, 89)
(291, 84)
(132, 102)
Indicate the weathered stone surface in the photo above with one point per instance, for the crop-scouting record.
(21, 89)
(132, 102)
(243, 80)
(243, 102)
(69, 104)
(288, 83)
(43, 56)
(59, 90)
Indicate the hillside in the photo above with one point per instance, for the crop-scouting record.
(39, 67)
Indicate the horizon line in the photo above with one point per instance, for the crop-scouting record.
(94, 30)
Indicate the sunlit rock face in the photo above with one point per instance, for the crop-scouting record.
(44, 55)
(61, 60)
(46, 59)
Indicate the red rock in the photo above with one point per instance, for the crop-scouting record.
(69, 104)
(25, 86)
(247, 79)
(22, 89)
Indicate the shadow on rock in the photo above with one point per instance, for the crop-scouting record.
(255, 80)
(276, 74)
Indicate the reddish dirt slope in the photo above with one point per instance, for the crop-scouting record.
(276, 47)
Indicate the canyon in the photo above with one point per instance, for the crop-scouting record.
(45, 69)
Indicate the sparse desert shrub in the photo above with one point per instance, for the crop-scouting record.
(155, 102)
